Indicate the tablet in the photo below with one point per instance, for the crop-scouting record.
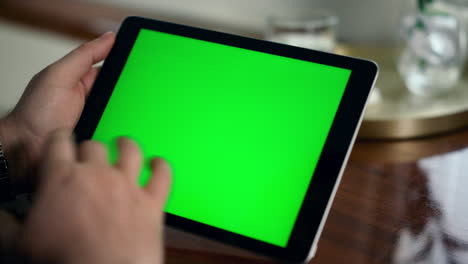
(257, 133)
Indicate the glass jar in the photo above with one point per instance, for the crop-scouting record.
(434, 54)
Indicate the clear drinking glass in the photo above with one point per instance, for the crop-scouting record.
(432, 60)
(315, 31)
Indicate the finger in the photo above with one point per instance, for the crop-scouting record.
(130, 158)
(78, 62)
(92, 151)
(160, 182)
(88, 79)
(60, 147)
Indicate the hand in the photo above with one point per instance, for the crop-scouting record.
(88, 211)
(54, 99)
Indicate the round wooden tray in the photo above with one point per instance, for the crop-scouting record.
(394, 113)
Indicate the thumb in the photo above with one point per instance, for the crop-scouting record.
(80, 61)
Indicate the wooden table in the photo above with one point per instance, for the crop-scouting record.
(399, 201)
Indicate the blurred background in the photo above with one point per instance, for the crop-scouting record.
(396, 204)
(366, 20)
(421, 73)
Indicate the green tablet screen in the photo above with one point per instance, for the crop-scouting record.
(243, 130)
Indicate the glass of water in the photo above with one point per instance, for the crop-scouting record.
(315, 31)
(432, 60)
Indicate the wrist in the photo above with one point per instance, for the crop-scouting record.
(7, 138)
(8, 135)
(14, 149)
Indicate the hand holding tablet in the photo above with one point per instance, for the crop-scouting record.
(258, 133)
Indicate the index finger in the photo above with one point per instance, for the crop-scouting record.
(159, 184)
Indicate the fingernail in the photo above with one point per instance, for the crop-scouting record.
(161, 164)
(127, 140)
(108, 33)
(120, 139)
(104, 36)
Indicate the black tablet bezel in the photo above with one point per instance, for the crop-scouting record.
(333, 155)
